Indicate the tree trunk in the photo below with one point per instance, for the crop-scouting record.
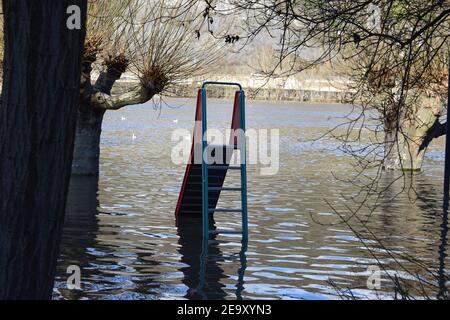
(41, 86)
(80, 232)
(87, 141)
(391, 155)
(96, 100)
(404, 146)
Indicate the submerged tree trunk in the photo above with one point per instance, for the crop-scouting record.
(40, 95)
(86, 153)
(405, 144)
(391, 155)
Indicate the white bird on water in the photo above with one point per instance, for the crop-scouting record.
(123, 118)
(175, 121)
(133, 137)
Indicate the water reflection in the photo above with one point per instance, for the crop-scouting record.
(80, 230)
(91, 243)
(95, 246)
(203, 274)
(201, 285)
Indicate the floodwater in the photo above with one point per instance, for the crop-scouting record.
(121, 229)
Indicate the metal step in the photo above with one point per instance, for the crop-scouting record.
(224, 210)
(224, 167)
(199, 205)
(223, 146)
(210, 176)
(224, 189)
(191, 211)
(199, 183)
(224, 231)
(195, 197)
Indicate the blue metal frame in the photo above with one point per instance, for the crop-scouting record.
(205, 191)
(243, 141)
(221, 83)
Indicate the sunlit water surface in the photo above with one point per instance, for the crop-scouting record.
(126, 242)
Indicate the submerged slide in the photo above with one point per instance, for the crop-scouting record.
(191, 196)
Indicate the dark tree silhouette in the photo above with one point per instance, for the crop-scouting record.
(41, 84)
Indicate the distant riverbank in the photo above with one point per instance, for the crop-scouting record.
(308, 93)
(266, 94)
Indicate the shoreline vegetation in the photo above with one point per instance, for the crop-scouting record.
(290, 89)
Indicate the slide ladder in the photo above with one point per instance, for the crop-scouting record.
(204, 178)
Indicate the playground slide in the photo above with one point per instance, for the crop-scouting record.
(190, 198)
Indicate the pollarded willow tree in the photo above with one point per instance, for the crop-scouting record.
(402, 115)
(394, 52)
(157, 41)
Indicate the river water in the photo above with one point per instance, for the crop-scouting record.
(121, 229)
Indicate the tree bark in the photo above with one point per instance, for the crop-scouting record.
(406, 143)
(86, 155)
(41, 87)
(391, 155)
